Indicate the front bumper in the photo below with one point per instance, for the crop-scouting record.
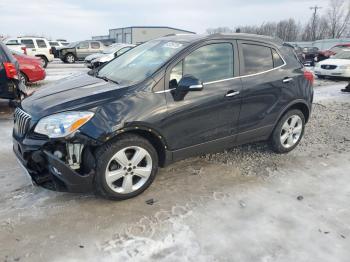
(56, 175)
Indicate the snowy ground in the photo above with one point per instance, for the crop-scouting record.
(244, 204)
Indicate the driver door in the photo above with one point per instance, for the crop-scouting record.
(207, 119)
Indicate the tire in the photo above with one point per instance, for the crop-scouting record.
(126, 181)
(291, 137)
(23, 78)
(44, 61)
(69, 58)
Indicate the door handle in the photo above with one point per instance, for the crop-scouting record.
(287, 80)
(232, 93)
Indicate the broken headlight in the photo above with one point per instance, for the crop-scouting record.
(62, 124)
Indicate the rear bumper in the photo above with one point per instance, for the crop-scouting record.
(56, 175)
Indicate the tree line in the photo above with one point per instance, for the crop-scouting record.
(333, 22)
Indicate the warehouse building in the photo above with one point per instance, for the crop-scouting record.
(138, 34)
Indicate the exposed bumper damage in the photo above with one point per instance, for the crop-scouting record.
(58, 165)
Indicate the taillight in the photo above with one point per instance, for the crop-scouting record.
(309, 76)
(24, 49)
(11, 71)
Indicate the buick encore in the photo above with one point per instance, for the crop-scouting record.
(168, 99)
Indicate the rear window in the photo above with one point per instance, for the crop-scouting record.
(256, 58)
(28, 43)
(41, 43)
(12, 42)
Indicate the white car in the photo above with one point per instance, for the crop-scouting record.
(336, 66)
(16, 46)
(35, 46)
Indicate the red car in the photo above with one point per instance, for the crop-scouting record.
(30, 67)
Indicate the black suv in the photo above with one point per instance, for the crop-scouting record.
(165, 100)
(10, 86)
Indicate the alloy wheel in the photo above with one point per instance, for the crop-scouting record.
(128, 170)
(291, 131)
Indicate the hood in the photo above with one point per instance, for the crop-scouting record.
(337, 62)
(104, 58)
(78, 92)
(93, 56)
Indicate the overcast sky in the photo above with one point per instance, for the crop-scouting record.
(81, 19)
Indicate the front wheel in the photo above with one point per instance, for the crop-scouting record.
(70, 59)
(288, 132)
(125, 168)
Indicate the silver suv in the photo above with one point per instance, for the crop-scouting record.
(79, 50)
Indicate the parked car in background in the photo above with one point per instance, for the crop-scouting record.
(162, 101)
(111, 52)
(15, 45)
(322, 55)
(56, 45)
(309, 54)
(336, 66)
(10, 86)
(36, 46)
(30, 67)
(80, 50)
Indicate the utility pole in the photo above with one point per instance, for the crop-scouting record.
(313, 21)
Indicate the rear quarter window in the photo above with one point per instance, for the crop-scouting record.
(256, 58)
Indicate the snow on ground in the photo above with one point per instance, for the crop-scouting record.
(244, 204)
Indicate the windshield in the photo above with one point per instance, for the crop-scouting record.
(111, 49)
(342, 55)
(72, 44)
(140, 62)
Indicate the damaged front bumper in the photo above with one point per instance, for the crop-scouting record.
(48, 170)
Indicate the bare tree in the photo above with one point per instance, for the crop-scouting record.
(338, 18)
(218, 30)
(288, 30)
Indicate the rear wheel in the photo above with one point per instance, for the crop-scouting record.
(288, 132)
(43, 61)
(125, 168)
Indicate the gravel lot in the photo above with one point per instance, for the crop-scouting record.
(244, 204)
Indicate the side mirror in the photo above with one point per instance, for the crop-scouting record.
(189, 83)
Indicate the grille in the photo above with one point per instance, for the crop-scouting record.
(328, 67)
(21, 122)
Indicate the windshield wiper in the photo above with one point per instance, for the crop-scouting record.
(107, 79)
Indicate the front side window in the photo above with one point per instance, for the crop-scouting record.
(83, 45)
(95, 45)
(256, 58)
(140, 62)
(28, 43)
(41, 43)
(208, 63)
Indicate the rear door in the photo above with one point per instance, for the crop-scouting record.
(95, 47)
(211, 114)
(264, 75)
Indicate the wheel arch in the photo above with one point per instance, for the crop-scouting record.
(298, 104)
(43, 56)
(151, 135)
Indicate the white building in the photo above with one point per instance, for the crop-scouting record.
(138, 34)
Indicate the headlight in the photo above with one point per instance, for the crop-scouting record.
(62, 124)
(344, 67)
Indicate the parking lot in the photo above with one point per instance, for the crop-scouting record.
(244, 204)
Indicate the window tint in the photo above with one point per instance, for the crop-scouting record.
(41, 43)
(277, 60)
(256, 59)
(95, 45)
(28, 43)
(210, 63)
(84, 45)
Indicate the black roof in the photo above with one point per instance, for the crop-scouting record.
(242, 36)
